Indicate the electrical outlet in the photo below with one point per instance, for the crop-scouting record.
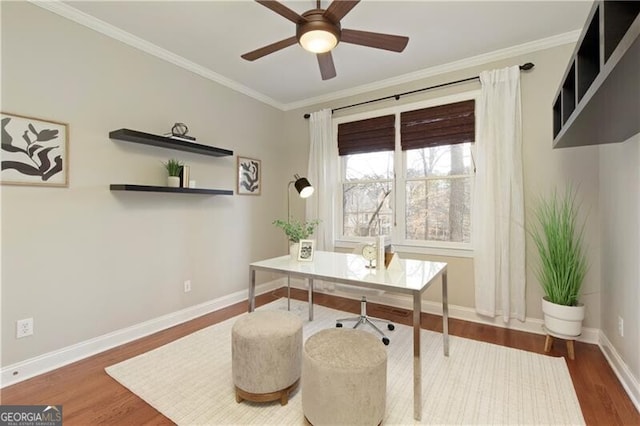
(24, 327)
(620, 326)
(187, 286)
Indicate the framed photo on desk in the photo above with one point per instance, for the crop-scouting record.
(305, 250)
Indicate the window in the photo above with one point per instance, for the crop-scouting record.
(411, 181)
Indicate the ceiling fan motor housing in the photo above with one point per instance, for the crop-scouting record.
(316, 21)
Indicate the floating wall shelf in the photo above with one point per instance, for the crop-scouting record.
(147, 188)
(165, 142)
(598, 100)
(171, 143)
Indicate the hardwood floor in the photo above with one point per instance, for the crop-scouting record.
(89, 396)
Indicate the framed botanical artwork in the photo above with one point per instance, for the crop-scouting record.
(305, 250)
(34, 151)
(249, 176)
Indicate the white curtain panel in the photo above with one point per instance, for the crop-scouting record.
(498, 207)
(323, 175)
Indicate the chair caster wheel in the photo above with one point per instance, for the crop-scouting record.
(385, 341)
(339, 324)
(391, 327)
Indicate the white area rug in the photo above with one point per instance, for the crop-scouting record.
(189, 380)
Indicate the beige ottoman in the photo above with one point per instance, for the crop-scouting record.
(266, 349)
(344, 378)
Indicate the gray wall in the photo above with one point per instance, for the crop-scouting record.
(620, 229)
(84, 261)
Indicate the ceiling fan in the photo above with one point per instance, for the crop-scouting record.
(319, 31)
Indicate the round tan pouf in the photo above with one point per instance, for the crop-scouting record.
(344, 378)
(266, 349)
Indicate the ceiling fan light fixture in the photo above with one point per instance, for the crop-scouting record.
(318, 41)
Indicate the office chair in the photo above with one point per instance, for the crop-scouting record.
(363, 318)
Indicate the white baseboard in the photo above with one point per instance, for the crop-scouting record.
(29, 368)
(622, 371)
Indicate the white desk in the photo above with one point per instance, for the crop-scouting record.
(413, 278)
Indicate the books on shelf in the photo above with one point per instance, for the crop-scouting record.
(184, 176)
(185, 138)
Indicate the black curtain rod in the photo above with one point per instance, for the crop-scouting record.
(524, 67)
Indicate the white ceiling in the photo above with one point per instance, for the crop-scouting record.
(210, 36)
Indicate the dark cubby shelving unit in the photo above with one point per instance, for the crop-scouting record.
(148, 188)
(598, 100)
(170, 143)
(569, 94)
(588, 58)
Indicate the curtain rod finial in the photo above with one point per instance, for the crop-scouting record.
(527, 66)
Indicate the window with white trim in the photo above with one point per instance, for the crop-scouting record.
(408, 175)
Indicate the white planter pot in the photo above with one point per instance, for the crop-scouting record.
(173, 181)
(293, 251)
(561, 320)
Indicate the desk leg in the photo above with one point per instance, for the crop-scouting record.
(417, 363)
(310, 299)
(288, 292)
(252, 290)
(445, 315)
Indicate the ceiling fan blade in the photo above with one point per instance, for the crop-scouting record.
(327, 69)
(282, 10)
(379, 41)
(274, 47)
(339, 8)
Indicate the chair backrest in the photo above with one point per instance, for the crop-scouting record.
(359, 290)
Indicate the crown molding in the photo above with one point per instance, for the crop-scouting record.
(75, 15)
(497, 55)
(62, 9)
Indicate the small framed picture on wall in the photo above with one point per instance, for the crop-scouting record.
(305, 250)
(249, 176)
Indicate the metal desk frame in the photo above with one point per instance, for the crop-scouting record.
(382, 281)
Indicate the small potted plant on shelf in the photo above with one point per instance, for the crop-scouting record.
(173, 167)
(296, 231)
(563, 263)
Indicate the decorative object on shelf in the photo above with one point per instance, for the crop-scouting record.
(563, 263)
(174, 167)
(305, 250)
(185, 172)
(34, 151)
(180, 129)
(249, 176)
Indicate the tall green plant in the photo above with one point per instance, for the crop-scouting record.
(559, 240)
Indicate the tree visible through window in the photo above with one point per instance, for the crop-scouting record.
(433, 180)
